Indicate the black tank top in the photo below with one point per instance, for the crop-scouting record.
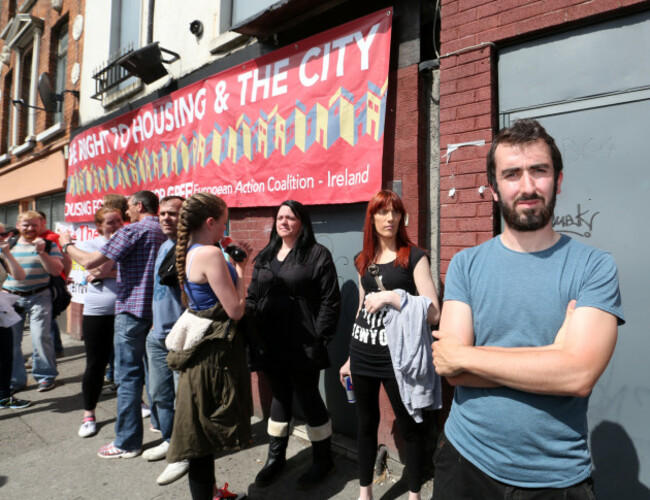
(369, 354)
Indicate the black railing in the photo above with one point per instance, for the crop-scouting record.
(111, 74)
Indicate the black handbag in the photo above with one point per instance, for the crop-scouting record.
(167, 271)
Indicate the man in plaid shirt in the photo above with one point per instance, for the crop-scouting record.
(134, 248)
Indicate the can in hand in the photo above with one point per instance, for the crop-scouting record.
(349, 390)
(236, 252)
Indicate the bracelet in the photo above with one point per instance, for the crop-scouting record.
(64, 249)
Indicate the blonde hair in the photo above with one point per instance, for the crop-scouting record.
(29, 214)
(194, 212)
(117, 201)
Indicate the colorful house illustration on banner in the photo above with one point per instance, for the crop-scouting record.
(376, 110)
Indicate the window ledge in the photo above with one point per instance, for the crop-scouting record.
(120, 95)
(227, 41)
(53, 131)
(23, 148)
(4, 158)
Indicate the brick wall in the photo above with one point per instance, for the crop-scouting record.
(468, 101)
(403, 152)
(53, 20)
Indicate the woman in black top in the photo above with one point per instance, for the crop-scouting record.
(388, 261)
(295, 298)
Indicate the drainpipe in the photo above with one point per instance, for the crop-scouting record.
(150, 10)
(430, 73)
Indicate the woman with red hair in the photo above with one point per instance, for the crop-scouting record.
(388, 261)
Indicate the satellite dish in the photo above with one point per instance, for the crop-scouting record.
(48, 97)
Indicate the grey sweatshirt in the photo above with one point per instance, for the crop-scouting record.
(409, 343)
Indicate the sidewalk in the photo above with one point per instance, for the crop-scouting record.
(41, 455)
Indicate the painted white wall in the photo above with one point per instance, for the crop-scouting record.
(172, 30)
(172, 20)
(97, 35)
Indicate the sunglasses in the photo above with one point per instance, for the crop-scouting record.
(4, 234)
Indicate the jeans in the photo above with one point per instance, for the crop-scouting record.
(39, 307)
(56, 337)
(129, 345)
(110, 372)
(458, 479)
(161, 385)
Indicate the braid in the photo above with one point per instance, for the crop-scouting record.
(181, 256)
(195, 210)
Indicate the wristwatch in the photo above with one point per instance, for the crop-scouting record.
(64, 248)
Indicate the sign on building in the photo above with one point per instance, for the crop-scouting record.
(305, 122)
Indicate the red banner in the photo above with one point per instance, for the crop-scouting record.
(305, 122)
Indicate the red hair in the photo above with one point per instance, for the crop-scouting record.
(383, 199)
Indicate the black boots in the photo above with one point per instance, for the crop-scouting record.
(322, 466)
(275, 461)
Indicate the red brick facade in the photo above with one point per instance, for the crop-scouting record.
(471, 31)
(52, 22)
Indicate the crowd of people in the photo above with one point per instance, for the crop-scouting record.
(528, 326)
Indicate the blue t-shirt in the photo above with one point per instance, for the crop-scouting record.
(100, 297)
(166, 305)
(519, 299)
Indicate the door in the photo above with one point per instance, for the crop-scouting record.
(340, 229)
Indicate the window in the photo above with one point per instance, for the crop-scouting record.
(112, 82)
(6, 113)
(9, 214)
(125, 30)
(244, 9)
(23, 36)
(60, 66)
(24, 113)
(53, 206)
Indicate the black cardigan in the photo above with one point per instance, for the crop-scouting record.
(297, 309)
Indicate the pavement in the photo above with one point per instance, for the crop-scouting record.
(41, 455)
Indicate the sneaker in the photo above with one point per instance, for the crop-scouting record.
(46, 385)
(112, 451)
(14, 403)
(153, 429)
(173, 472)
(88, 427)
(223, 494)
(111, 388)
(146, 410)
(157, 452)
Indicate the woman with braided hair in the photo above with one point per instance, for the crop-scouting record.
(213, 406)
